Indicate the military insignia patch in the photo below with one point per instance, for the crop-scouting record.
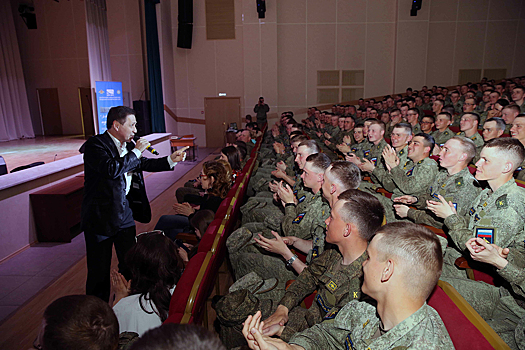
(349, 344)
(486, 233)
(374, 160)
(299, 218)
(353, 149)
(319, 300)
(331, 315)
(501, 202)
(315, 252)
(332, 286)
(471, 211)
(401, 152)
(476, 218)
(302, 199)
(366, 153)
(445, 133)
(459, 183)
(295, 192)
(409, 173)
(364, 324)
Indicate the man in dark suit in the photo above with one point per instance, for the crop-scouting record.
(114, 195)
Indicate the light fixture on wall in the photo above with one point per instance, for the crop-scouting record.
(27, 13)
(416, 6)
(261, 8)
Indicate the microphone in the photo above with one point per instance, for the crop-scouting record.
(149, 148)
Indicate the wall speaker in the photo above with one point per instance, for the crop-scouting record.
(184, 35)
(143, 117)
(185, 11)
(261, 8)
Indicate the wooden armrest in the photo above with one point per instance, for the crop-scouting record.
(462, 263)
(187, 237)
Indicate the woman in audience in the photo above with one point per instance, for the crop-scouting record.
(233, 156)
(215, 183)
(143, 302)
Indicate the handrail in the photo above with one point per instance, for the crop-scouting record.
(182, 119)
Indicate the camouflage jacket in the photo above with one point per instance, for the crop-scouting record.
(372, 152)
(336, 285)
(416, 129)
(460, 189)
(442, 137)
(477, 138)
(498, 217)
(306, 219)
(414, 179)
(382, 176)
(356, 324)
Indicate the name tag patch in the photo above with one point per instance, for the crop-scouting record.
(486, 233)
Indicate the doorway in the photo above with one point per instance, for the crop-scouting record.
(219, 113)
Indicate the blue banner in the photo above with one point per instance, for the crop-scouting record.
(109, 94)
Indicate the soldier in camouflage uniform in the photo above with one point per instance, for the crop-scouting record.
(442, 133)
(497, 214)
(357, 325)
(469, 128)
(412, 119)
(454, 182)
(518, 132)
(395, 118)
(335, 277)
(305, 221)
(377, 143)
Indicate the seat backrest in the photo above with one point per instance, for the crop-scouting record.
(462, 322)
(182, 291)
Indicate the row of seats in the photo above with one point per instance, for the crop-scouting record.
(188, 302)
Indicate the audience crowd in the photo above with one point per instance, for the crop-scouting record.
(367, 206)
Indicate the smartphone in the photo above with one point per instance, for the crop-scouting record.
(181, 244)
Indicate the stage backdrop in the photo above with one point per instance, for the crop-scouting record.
(109, 94)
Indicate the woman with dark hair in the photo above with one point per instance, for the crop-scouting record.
(199, 223)
(232, 155)
(216, 183)
(143, 302)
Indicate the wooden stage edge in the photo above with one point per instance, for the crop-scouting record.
(19, 330)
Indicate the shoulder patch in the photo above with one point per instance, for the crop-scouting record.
(445, 133)
(459, 183)
(501, 202)
(332, 285)
(298, 219)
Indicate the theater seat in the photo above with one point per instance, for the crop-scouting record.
(464, 325)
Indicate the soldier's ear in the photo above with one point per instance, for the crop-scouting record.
(347, 231)
(332, 189)
(508, 167)
(388, 271)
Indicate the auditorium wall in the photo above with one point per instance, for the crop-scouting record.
(278, 57)
(55, 56)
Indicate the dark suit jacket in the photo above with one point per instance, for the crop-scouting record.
(103, 207)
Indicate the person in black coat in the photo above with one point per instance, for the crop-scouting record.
(115, 195)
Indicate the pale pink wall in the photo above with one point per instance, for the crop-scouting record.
(125, 46)
(55, 56)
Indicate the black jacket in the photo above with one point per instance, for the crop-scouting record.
(103, 206)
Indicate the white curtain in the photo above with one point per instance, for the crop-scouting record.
(15, 120)
(98, 41)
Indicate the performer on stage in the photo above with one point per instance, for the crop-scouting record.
(115, 195)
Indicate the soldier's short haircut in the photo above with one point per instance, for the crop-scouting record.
(319, 162)
(395, 110)
(407, 128)
(363, 210)
(345, 175)
(449, 109)
(429, 116)
(299, 138)
(446, 114)
(377, 122)
(467, 146)
(414, 109)
(428, 140)
(514, 108)
(185, 336)
(417, 250)
(440, 101)
(519, 87)
(502, 102)
(359, 125)
(511, 149)
(311, 146)
(500, 123)
(475, 115)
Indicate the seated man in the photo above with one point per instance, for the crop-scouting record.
(518, 132)
(493, 128)
(304, 220)
(427, 124)
(403, 266)
(413, 177)
(376, 133)
(469, 128)
(442, 133)
(336, 274)
(454, 182)
(79, 322)
(497, 214)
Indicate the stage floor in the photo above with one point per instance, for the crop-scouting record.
(40, 149)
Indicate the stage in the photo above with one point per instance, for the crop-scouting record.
(40, 149)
